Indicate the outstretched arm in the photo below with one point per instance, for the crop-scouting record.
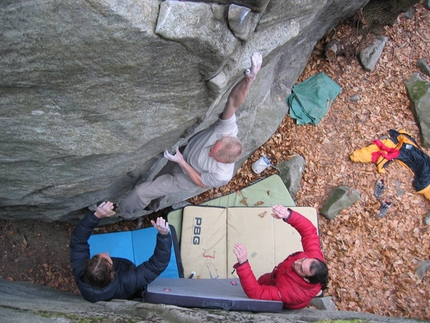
(308, 232)
(249, 283)
(154, 266)
(240, 90)
(79, 248)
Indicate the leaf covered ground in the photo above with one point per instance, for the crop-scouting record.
(372, 261)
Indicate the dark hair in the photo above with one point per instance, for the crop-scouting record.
(319, 272)
(98, 272)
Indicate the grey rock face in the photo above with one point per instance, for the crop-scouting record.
(355, 98)
(291, 173)
(239, 21)
(29, 303)
(423, 267)
(369, 56)
(92, 92)
(426, 219)
(340, 198)
(423, 66)
(323, 303)
(419, 94)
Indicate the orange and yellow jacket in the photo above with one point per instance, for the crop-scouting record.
(401, 147)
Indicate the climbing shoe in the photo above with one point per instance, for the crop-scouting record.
(379, 188)
(384, 209)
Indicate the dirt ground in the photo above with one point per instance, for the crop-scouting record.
(372, 261)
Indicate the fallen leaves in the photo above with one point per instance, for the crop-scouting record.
(244, 201)
(263, 214)
(372, 262)
(24, 242)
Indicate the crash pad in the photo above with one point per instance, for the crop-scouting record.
(137, 246)
(270, 190)
(225, 294)
(209, 234)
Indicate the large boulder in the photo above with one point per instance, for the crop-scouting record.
(342, 197)
(24, 302)
(370, 55)
(92, 92)
(419, 94)
(291, 172)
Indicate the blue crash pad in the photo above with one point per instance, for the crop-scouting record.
(136, 246)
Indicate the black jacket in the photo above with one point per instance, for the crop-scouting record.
(415, 158)
(129, 280)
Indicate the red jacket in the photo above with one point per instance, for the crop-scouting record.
(284, 284)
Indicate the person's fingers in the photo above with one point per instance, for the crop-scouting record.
(276, 207)
(238, 246)
(166, 225)
(275, 215)
(106, 207)
(161, 222)
(161, 225)
(110, 213)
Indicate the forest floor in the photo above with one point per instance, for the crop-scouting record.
(372, 261)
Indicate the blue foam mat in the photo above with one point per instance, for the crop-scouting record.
(136, 246)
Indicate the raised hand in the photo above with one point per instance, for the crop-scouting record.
(161, 225)
(104, 210)
(240, 252)
(256, 61)
(280, 212)
(177, 158)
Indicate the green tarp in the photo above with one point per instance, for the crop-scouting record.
(310, 100)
